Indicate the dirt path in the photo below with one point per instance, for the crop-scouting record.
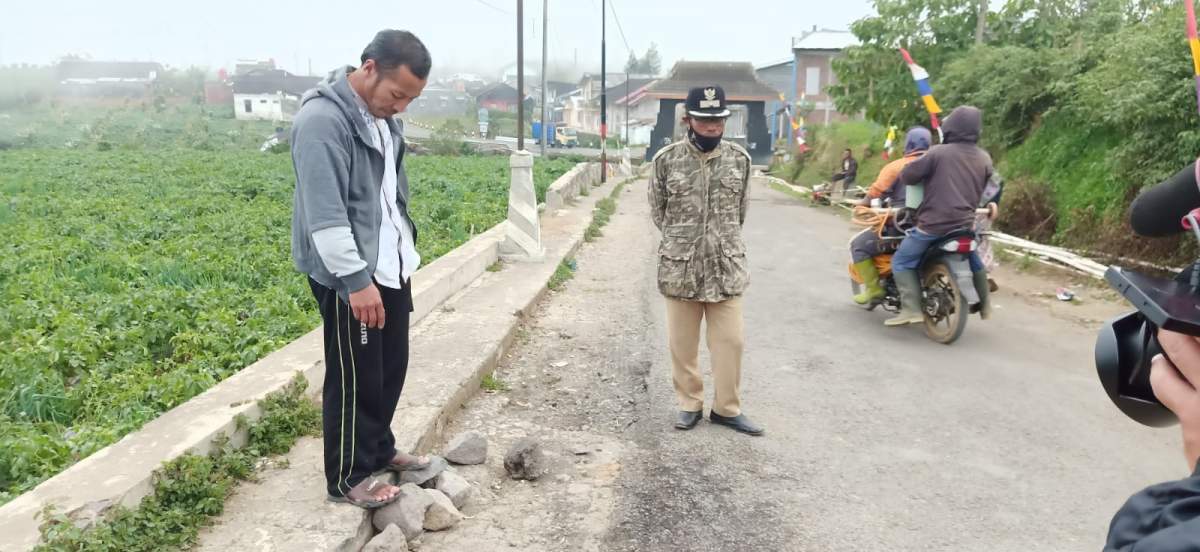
(878, 439)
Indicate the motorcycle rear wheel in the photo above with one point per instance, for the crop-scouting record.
(945, 307)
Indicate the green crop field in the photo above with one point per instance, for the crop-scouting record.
(132, 279)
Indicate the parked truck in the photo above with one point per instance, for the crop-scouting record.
(560, 137)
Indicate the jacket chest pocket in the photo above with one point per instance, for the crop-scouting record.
(683, 201)
(678, 183)
(730, 192)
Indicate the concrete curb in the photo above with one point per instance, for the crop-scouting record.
(451, 352)
(123, 473)
(420, 434)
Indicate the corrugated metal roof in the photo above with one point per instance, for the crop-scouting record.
(824, 39)
(736, 77)
(617, 93)
(270, 81)
(772, 65)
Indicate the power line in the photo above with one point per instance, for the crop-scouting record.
(501, 10)
(612, 7)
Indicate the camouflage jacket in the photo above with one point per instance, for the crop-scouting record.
(699, 203)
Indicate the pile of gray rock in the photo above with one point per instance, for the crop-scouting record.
(430, 499)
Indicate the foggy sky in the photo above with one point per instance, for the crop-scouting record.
(461, 34)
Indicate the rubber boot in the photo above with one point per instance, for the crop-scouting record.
(910, 299)
(983, 288)
(870, 277)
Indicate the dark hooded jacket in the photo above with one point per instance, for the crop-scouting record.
(1162, 518)
(954, 175)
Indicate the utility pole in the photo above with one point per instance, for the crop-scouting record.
(981, 21)
(520, 75)
(522, 233)
(545, 108)
(627, 109)
(792, 90)
(603, 96)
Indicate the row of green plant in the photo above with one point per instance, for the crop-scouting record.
(133, 125)
(133, 281)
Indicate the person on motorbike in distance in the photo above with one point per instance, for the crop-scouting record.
(954, 175)
(870, 244)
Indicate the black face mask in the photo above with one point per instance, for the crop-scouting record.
(705, 143)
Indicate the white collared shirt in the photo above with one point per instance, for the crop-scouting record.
(398, 257)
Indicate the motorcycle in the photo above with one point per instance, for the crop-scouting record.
(947, 290)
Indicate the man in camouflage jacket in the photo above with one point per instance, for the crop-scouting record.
(698, 199)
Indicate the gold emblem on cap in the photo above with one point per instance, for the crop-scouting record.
(710, 99)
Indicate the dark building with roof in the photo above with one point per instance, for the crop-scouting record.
(81, 77)
(499, 96)
(438, 100)
(746, 94)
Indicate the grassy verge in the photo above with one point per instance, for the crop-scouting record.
(864, 138)
(563, 274)
(788, 190)
(493, 384)
(601, 215)
(605, 209)
(192, 489)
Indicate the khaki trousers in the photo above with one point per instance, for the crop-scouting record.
(725, 345)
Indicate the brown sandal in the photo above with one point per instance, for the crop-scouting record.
(410, 466)
(366, 504)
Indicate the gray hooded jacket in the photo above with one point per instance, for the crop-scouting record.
(337, 211)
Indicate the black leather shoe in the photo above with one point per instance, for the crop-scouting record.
(688, 420)
(738, 423)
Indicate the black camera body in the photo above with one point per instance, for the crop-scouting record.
(1126, 346)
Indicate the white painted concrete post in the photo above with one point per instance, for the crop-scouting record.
(522, 234)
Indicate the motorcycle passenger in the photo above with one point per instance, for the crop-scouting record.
(954, 175)
(870, 244)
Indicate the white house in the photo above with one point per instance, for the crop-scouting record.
(269, 94)
(626, 98)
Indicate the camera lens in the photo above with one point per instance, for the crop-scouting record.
(1124, 350)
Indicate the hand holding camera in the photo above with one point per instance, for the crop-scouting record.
(1175, 386)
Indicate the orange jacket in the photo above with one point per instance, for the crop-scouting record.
(890, 173)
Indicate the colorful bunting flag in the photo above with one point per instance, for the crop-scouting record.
(921, 77)
(889, 142)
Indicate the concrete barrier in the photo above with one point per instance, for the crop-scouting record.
(571, 185)
(123, 473)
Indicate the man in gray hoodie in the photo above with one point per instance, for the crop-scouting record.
(352, 235)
